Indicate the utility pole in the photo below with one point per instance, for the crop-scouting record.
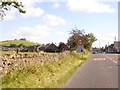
(99, 43)
(108, 46)
(115, 38)
(108, 43)
(99, 47)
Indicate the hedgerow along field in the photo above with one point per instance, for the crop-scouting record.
(49, 75)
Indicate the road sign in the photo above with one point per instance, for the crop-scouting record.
(79, 40)
(80, 48)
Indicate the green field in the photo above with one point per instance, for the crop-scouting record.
(17, 42)
(49, 75)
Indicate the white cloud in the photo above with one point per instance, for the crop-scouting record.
(33, 12)
(109, 0)
(29, 2)
(31, 9)
(105, 39)
(56, 5)
(29, 6)
(10, 14)
(89, 6)
(60, 33)
(54, 20)
(31, 33)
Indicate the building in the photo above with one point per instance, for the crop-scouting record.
(117, 46)
(51, 48)
(113, 48)
(96, 50)
(62, 47)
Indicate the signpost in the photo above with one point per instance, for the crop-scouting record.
(79, 40)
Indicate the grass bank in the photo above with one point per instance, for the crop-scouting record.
(17, 42)
(49, 75)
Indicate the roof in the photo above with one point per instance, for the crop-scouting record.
(51, 47)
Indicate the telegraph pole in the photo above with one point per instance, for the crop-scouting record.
(115, 38)
(108, 46)
(99, 43)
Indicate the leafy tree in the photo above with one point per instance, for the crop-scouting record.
(6, 5)
(88, 39)
(21, 45)
(13, 45)
(71, 44)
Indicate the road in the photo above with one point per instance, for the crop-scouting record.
(100, 71)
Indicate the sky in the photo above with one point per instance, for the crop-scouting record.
(47, 21)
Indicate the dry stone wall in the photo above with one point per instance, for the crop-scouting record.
(17, 62)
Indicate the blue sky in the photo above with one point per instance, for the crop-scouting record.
(50, 21)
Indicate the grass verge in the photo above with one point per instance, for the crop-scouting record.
(49, 75)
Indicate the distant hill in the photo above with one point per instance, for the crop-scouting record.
(17, 42)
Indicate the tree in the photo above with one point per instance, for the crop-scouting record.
(88, 39)
(6, 5)
(13, 45)
(77, 31)
(21, 45)
(71, 43)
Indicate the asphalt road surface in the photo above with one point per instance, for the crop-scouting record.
(100, 71)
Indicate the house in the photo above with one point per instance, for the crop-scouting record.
(51, 48)
(111, 48)
(32, 48)
(117, 46)
(42, 48)
(62, 47)
(4, 48)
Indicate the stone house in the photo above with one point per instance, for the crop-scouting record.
(51, 48)
(62, 47)
(42, 48)
(32, 49)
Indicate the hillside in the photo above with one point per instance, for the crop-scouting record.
(17, 42)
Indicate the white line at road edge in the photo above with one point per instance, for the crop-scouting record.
(111, 59)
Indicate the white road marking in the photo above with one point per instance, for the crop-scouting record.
(111, 59)
(114, 61)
